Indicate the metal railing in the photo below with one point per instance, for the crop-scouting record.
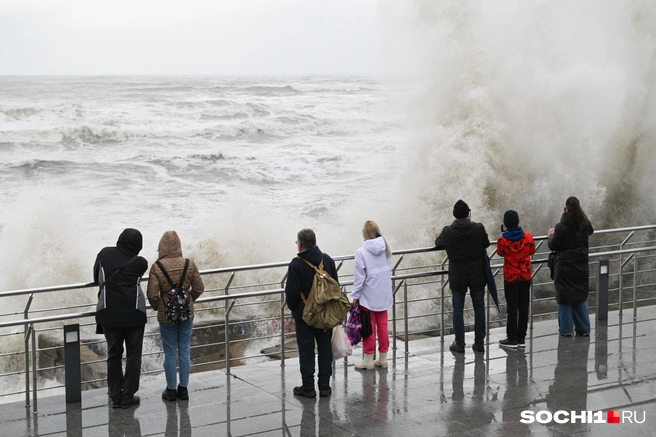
(413, 268)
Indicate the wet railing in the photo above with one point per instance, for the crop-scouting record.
(253, 313)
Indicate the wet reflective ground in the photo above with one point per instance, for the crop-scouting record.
(431, 392)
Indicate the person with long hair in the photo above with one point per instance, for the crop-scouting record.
(569, 239)
(372, 289)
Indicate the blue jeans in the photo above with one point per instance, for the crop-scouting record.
(577, 313)
(478, 301)
(176, 342)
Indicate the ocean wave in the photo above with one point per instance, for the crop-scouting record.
(20, 113)
(235, 116)
(272, 90)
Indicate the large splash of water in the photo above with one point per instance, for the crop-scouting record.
(522, 104)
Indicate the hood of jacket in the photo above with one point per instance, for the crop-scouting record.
(130, 240)
(169, 245)
(463, 228)
(514, 235)
(375, 246)
(313, 255)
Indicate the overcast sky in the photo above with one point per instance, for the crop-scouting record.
(189, 36)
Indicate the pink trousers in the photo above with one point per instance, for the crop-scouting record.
(378, 329)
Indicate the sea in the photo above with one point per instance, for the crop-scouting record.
(236, 165)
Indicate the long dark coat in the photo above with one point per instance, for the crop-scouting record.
(571, 275)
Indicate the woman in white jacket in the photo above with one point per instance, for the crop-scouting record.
(372, 288)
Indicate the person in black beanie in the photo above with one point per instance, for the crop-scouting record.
(516, 246)
(464, 242)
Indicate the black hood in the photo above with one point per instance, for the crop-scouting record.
(463, 228)
(313, 255)
(131, 240)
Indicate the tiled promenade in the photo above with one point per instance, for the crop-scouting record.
(432, 393)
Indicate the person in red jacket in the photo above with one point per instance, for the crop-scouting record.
(516, 246)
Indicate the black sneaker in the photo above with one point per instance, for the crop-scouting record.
(566, 335)
(116, 403)
(325, 391)
(478, 348)
(183, 393)
(169, 394)
(130, 402)
(521, 343)
(582, 334)
(506, 342)
(309, 393)
(455, 348)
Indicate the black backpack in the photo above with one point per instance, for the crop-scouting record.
(177, 309)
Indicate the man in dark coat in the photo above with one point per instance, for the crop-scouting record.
(464, 242)
(569, 239)
(299, 280)
(121, 313)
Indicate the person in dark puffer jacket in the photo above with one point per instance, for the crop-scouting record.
(464, 242)
(569, 239)
(516, 246)
(121, 312)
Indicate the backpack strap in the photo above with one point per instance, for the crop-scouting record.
(168, 278)
(117, 271)
(318, 270)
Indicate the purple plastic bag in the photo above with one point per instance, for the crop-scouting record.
(354, 325)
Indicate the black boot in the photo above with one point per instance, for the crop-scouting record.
(169, 394)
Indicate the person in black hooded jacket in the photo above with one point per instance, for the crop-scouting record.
(299, 280)
(121, 313)
(569, 239)
(464, 242)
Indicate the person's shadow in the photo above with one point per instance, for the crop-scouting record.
(569, 391)
(516, 398)
(122, 423)
(467, 411)
(174, 411)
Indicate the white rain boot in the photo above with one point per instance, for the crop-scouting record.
(367, 363)
(381, 361)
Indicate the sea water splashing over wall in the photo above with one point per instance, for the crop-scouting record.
(523, 104)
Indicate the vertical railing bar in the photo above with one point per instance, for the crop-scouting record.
(34, 369)
(395, 289)
(226, 322)
(283, 301)
(227, 334)
(27, 351)
(405, 314)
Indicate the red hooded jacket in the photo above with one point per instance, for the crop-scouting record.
(516, 247)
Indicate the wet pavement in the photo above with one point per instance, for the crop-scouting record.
(429, 392)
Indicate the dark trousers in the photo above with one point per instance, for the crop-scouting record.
(517, 298)
(120, 384)
(306, 336)
(478, 302)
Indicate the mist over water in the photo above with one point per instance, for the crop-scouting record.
(526, 103)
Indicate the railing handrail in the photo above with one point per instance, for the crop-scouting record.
(286, 263)
(36, 320)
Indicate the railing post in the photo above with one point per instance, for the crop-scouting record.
(34, 370)
(283, 300)
(635, 291)
(72, 363)
(226, 323)
(394, 289)
(602, 290)
(622, 272)
(405, 313)
(27, 330)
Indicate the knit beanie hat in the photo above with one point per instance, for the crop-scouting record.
(460, 209)
(511, 219)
